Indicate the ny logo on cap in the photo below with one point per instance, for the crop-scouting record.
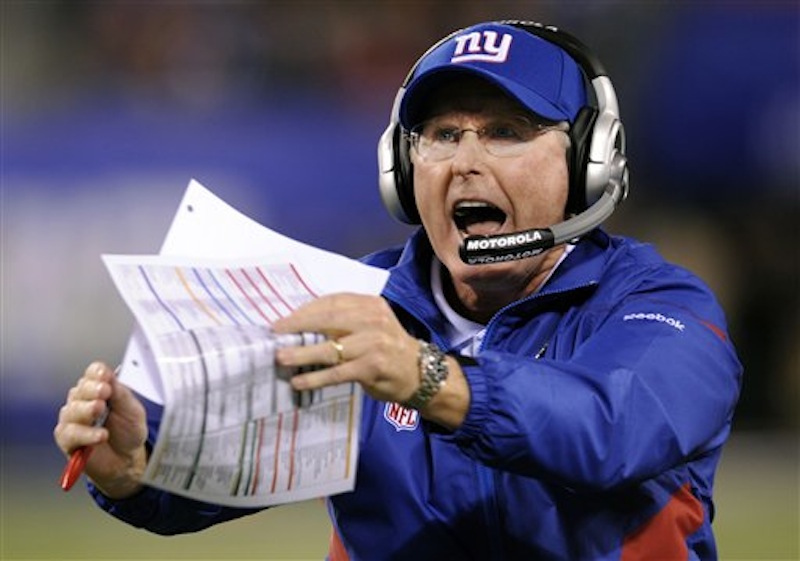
(481, 46)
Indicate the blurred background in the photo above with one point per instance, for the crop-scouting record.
(110, 108)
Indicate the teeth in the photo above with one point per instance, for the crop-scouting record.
(472, 204)
(465, 208)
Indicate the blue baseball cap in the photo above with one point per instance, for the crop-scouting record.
(537, 73)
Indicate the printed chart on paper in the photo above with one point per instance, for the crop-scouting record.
(233, 430)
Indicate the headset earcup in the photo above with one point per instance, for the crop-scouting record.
(581, 133)
(606, 163)
(395, 175)
(404, 176)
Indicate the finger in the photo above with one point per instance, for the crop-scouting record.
(90, 390)
(86, 402)
(70, 436)
(330, 352)
(94, 384)
(99, 371)
(121, 397)
(326, 377)
(83, 412)
(334, 315)
(100, 383)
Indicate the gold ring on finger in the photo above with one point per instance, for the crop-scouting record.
(339, 348)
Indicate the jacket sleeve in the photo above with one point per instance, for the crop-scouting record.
(625, 393)
(159, 511)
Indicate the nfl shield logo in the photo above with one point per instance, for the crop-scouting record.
(401, 417)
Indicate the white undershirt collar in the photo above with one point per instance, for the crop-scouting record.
(462, 334)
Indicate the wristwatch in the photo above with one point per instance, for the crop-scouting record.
(433, 372)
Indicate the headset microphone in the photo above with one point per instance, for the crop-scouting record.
(480, 250)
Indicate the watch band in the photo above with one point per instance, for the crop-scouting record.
(433, 372)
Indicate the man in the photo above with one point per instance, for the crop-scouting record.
(568, 400)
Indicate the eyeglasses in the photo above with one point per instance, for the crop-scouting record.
(436, 140)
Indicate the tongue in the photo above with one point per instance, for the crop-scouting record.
(486, 228)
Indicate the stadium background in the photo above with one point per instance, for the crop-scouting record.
(109, 108)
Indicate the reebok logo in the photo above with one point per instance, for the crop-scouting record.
(481, 46)
(652, 316)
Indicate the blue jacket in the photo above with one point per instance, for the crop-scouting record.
(598, 410)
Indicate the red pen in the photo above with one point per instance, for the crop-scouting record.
(77, 460)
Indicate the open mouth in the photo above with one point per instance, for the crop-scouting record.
(476, 218)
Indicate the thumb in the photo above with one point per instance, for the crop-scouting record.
(121, 395)
(127, 418)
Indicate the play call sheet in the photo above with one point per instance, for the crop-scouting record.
(233, 431)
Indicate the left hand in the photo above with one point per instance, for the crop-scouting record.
(376, 350)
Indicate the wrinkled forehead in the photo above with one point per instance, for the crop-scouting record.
(461, 93)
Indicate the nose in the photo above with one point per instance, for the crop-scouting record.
(469, 152)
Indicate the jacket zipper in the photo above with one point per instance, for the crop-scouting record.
(491, 512)
(486, 477)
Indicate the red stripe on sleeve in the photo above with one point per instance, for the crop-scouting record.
(664, 535)
(336, 550)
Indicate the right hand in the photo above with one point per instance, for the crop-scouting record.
(119, 456)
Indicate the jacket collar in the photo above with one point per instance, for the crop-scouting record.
(409, 281)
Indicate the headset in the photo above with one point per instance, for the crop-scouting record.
(598, 167)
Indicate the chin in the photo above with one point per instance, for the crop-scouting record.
(488, 277)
